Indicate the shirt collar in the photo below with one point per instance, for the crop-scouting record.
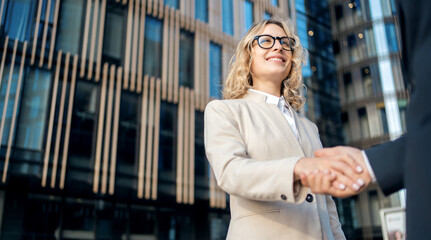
(269, 98)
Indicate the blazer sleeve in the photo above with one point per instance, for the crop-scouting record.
(387, 161)
(238, 174)
(333, 219)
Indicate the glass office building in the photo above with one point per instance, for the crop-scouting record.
(373, 95)
(101, 123)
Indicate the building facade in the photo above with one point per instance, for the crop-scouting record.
(373, 95)
(101, 105)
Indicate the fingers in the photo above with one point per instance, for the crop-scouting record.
(356, 160)
(320, 182)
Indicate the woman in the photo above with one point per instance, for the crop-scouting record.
(254, 140)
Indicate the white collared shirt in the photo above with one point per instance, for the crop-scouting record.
(283, 106)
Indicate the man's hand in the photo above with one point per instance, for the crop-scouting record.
(325, 183)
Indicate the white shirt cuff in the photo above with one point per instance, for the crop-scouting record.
(370, 170)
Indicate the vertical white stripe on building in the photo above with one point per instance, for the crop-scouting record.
(385, 69)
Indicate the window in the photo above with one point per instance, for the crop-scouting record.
(202, 167)
(274, 2)
(19, 17)
(10, 101)
(34, 108)
(167, 151)
(374, 204)
(346, 129)
(69, 27)
(215, 70)
(391, 36)
(172, 3)
(348, 87)
(248, 14)
(353, 48)
(367, 81)
(383, 119)
(201, 11)
(363, 122)
(186, 71)
(113, 36)
(128, 140)
(82, 134)
(153, 47)
(227, 16)
(267, 15)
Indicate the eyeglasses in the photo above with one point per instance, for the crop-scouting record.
(268, 41)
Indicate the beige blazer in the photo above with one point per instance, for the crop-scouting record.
(252, 151)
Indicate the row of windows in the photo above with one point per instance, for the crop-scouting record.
(38, 216)
(32, 121)
(354, 12)
(370, 121)
(366, 82)
(363, 44)
(70, 34)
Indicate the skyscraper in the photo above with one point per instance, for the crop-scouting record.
(373, 94)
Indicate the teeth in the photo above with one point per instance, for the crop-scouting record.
(278, 59)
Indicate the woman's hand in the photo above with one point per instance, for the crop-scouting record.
(342, 170)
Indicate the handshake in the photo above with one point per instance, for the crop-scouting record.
(338, 171)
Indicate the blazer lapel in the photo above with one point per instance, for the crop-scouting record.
(304, 136)
(276, 118)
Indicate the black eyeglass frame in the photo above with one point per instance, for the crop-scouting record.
(290, 40)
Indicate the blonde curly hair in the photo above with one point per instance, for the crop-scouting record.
(239, 79)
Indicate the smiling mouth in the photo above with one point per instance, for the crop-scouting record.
(275, 59)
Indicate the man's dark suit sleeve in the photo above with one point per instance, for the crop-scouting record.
(388, 163)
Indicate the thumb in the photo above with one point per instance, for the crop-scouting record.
(326, 152)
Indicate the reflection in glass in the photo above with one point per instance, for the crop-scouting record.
(172, 3)
(186, 71)
(10, 100)
(19, 17)
(128, 140)
(34, 109)
(201, 11)
(167, 151)
(113, 39)
(248, 14)
(227, 16)
(82, 136)
(69, 26)
(153, 47)
(215, 70)
(201, 163)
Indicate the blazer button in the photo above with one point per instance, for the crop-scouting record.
(309, 198)
(283, 197)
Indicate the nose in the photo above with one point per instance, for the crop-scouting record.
(277, 45)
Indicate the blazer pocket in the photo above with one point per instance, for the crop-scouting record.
(249, 214)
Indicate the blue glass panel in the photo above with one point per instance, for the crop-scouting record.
(33, 114)
(392, 37)
(153, 47)
(18, 19)
(69, 27)
(248, 13)
(266, 16)
(172, 3)
(215, 70)
(227, 16)
(274, 2)
(201, 11)
(10, 101)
